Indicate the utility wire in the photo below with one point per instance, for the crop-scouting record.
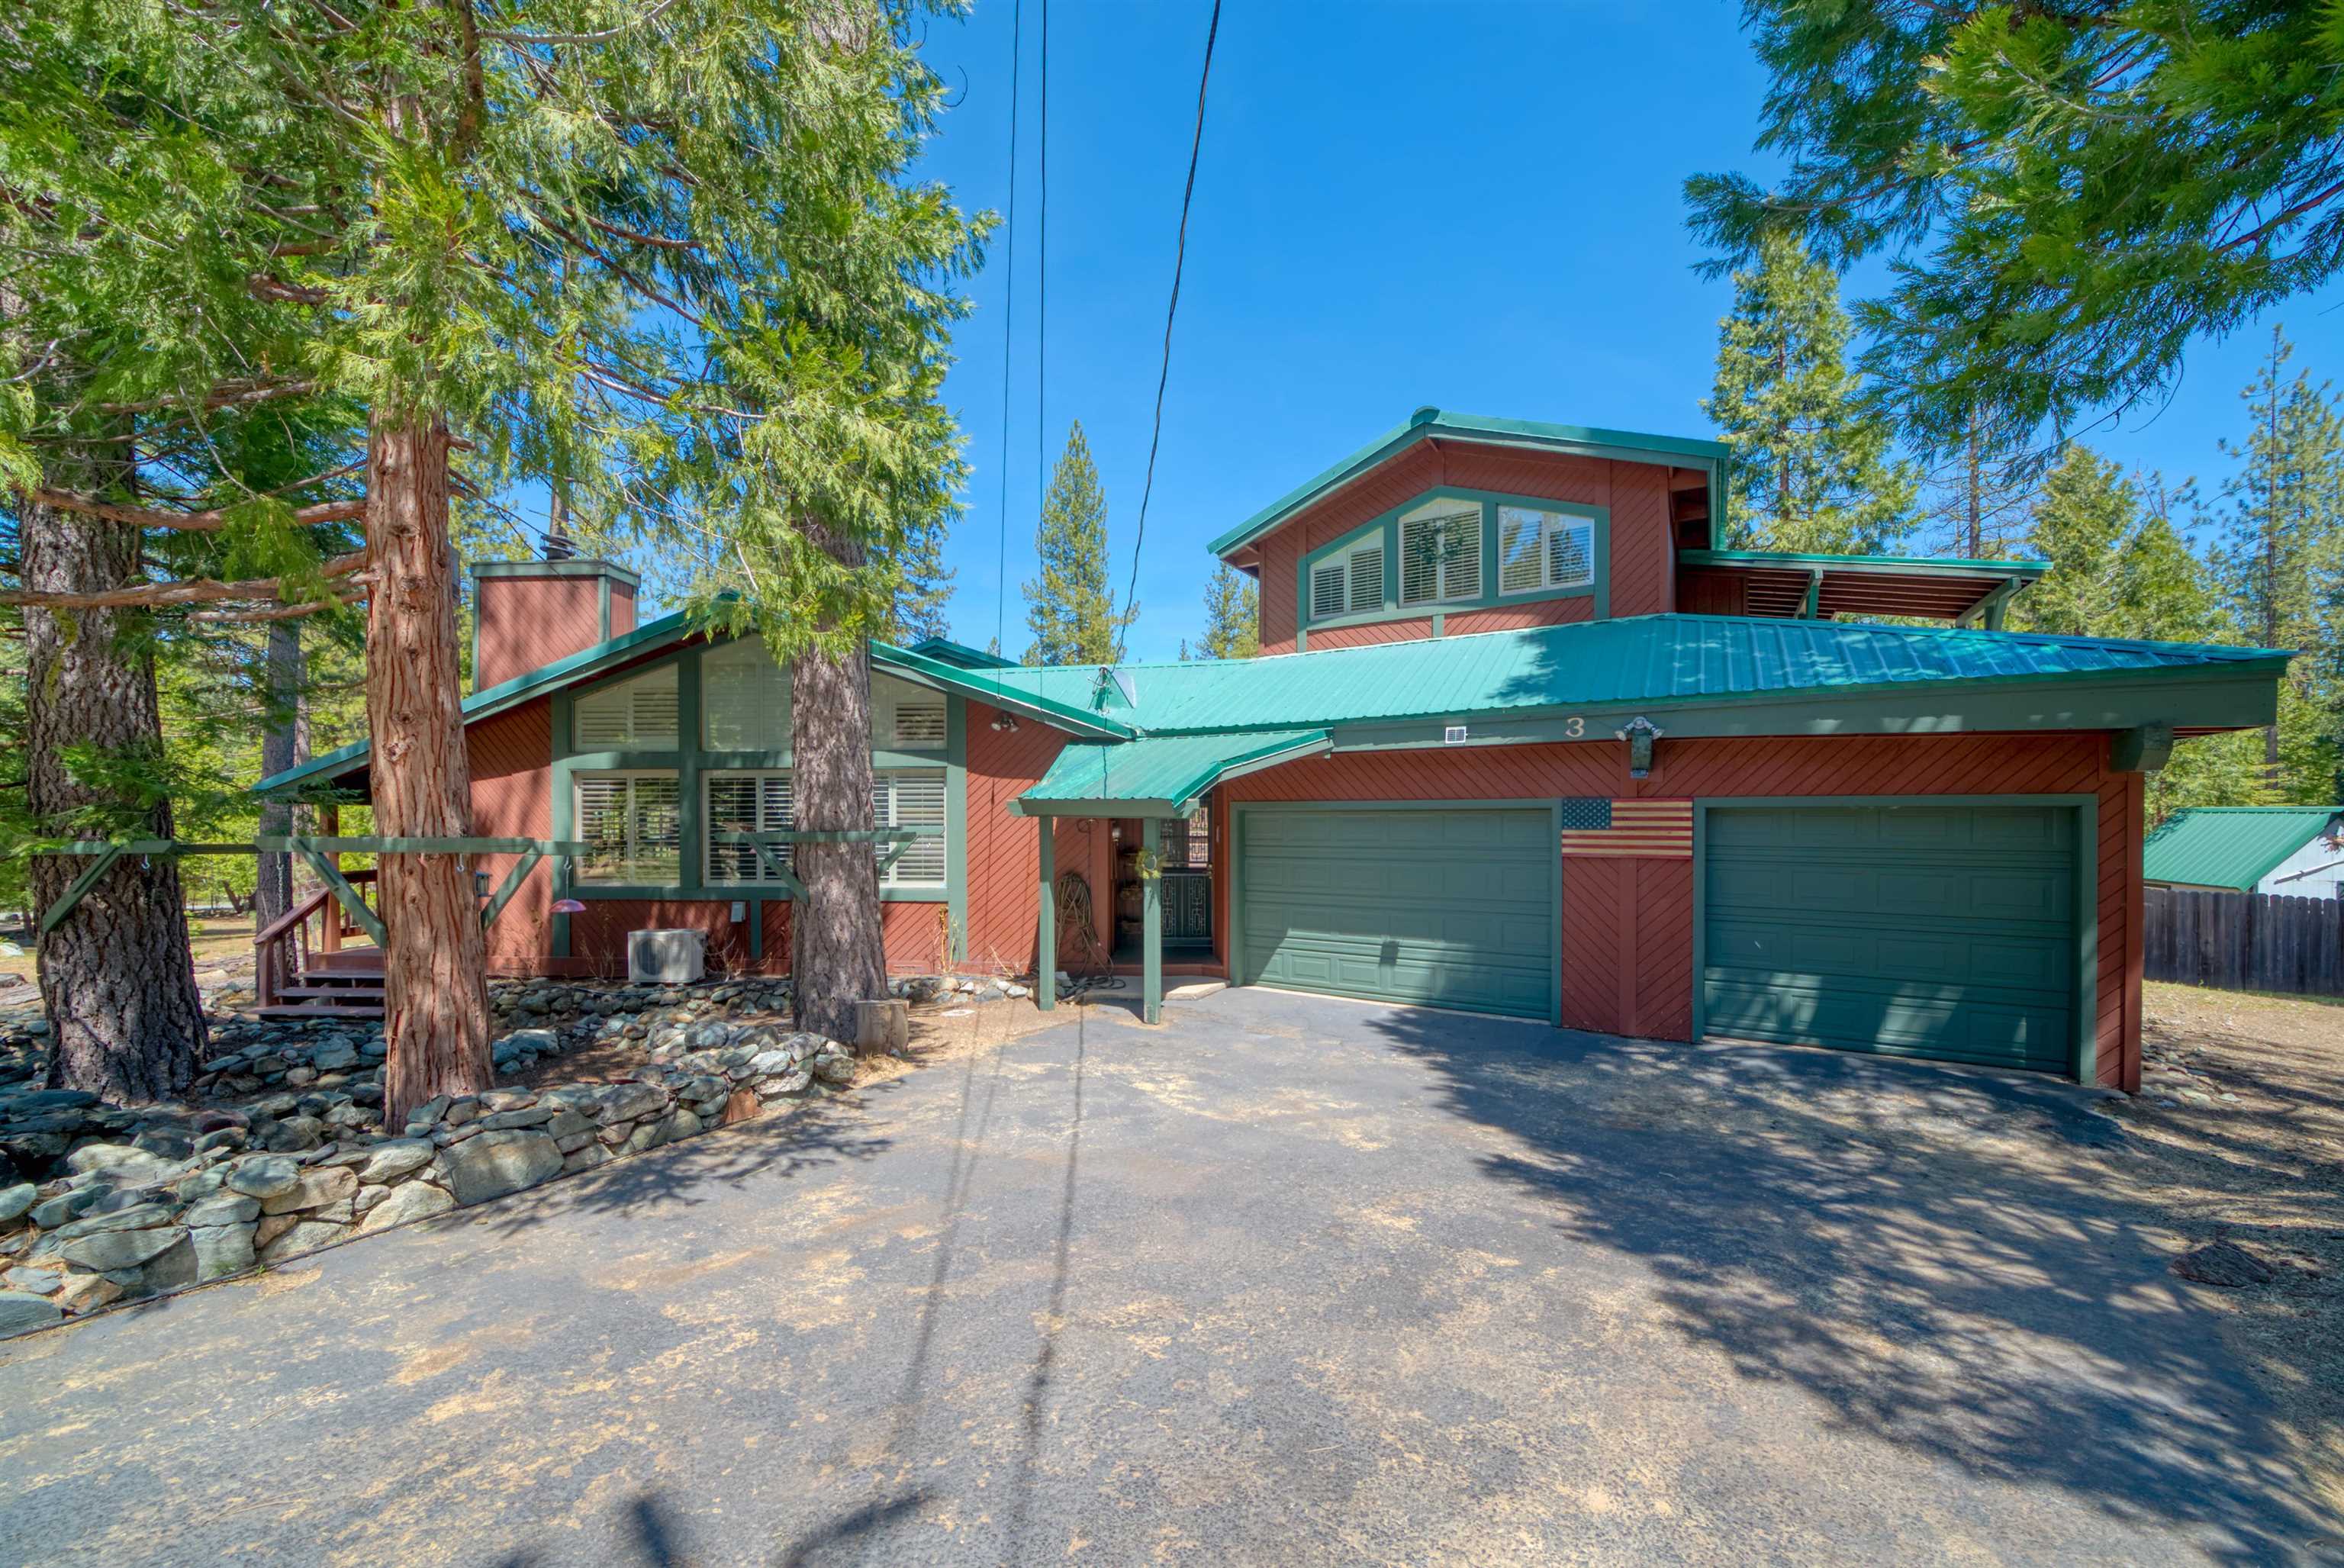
(1008, 326)
(1179, 257)
(1041, 306)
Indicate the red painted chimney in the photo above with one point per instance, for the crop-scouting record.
(527, 613)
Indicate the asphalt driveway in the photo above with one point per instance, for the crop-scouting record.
(1284, 1280)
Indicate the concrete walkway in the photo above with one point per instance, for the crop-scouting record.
(1285, 1280)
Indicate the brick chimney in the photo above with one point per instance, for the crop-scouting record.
(526, 615)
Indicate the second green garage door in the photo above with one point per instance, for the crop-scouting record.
(1443, 907)
(1946, 931)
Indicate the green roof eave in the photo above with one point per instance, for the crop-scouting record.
(1881, 565)
(1161, 775)
(1429, 422)
(982, 686)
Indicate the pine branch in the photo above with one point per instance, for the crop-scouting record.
(156, 595)
(230, 395)
(187, 522)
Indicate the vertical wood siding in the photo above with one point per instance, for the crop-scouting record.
(510, 756)
(1642, 929)
(1643, 555)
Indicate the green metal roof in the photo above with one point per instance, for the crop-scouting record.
(2232, 847)
(1158, 775)
(1637, 660)
(1429, 421)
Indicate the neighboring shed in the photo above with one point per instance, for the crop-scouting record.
(2297, 850)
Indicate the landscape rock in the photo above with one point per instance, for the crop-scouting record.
(496, 1163)
(409, 1201)
(390, 1161)
(221, 1249)
(317, 1187)
(264, 1178)
(21, 1310)
(223, 1208)
(109, 1249)
(306, 1236)
(16, 1201)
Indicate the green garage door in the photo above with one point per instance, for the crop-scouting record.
(1933, 930)
(1447, 907)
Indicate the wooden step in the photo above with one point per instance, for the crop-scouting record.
(367, 993)
(372, 1011)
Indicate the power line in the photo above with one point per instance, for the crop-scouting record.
(1179, 257)
(1008, 324)
(1042, 306)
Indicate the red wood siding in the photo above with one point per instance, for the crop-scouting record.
(1627, 959)
(1414, 629)
(912, 933)
(1005, 850)
(510, 757)
(528, 623)
(1642, 554)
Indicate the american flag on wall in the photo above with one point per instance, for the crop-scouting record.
(1646, 829)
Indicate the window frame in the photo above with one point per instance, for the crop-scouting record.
(893, 876)
(1446, 511)
(1347, 558)
(1551, 514)
(1386, 530)
(631, 861)
(710, 778)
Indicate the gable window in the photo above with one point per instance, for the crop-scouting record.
(1539, 549)
(1440, 553)
(746, 803)
(744, 698)
(1349, 583)
(631, 822)
(907, 718)
(634, 715)
(911, 797)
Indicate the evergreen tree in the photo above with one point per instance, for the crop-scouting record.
(2277, 559)
(1070, 608)
(924, 587)
(1232, 615)
(2086, 516)
(1977, 500)
(2066, 195)
(1811, 466)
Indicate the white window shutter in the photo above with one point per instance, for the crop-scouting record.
(920, 726)
(1420, 560)
(632, 715)
(1519, 545)
(744, 698)
(1367, 578)
(1326, 590)
(1461, 556)
(911, 797)
(601, 816)
(1570, 554)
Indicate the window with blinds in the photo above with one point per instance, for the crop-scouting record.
(1441, 553)
(744, 698)
(634, 715)
(911, 797)
(746, 803)
(1348, 583)
(1539, 549)
(632, 827)
(907, 718)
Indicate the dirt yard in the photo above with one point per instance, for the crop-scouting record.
(2243, 1115)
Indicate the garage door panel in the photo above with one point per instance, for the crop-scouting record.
(1953, 934)
(1449, 907)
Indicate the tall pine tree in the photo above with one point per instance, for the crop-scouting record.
(1812, 466)
(2277, 559)
(923, 586)
(1070, 607)
(1232, 614)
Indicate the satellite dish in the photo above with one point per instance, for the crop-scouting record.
(1114, 678)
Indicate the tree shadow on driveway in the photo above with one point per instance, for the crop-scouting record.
(1953, 1261)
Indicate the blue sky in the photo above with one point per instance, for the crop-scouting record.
(1472, 205)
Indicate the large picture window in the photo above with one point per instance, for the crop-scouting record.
(746, 803)
(1349, 583)
(744, 698)
(630, 823)
(1440, 553)
(1539, 549)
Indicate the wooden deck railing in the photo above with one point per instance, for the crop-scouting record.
(282, 952)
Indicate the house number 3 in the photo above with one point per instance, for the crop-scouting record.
(1573, 728)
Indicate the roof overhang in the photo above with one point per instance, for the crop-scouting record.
(1427, 424)
(1159, 775)
(1812, 587)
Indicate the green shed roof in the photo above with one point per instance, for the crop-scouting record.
(1646, 659)
(1159, 775)
(2232, 847)
(1685, 451)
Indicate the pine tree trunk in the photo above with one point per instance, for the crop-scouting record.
(435, 973)
(280, 750)
(118, 976)
(837, 952)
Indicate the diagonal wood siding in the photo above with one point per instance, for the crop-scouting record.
(1644, 554)
(1638, 925)
(1003, 851)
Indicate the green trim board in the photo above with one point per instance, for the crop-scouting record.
(2083, 1060)
(2232, 847)
(1387, 525)
(1425, 956)
(1867, 565)
(1679, 451)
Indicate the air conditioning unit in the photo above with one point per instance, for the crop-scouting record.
(666, 958)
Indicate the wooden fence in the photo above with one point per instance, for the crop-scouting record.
(2245, 941)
